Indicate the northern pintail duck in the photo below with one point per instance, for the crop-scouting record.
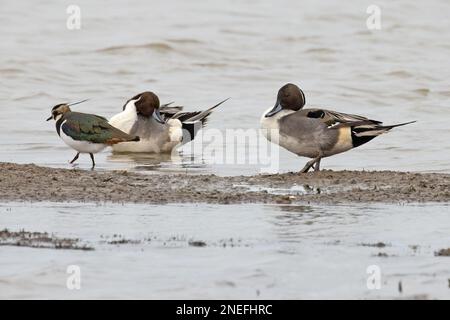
(86, 133)
(316, 133)
(161, 128)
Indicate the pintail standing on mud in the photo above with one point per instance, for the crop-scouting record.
(316, 133)
(86, 133)
(161, 128)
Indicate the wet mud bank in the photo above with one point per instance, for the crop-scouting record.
(34, 183)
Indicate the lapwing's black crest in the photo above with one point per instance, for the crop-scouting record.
(58, 105)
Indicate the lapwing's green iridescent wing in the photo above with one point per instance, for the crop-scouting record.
(92, 128)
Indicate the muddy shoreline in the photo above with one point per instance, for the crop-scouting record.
(33, 183)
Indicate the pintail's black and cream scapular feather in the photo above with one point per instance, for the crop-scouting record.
(86, 133)
(316, 133)
(161, 128)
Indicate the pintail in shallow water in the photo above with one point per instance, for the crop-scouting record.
(316, 133)
(161, 128)
(86, 133)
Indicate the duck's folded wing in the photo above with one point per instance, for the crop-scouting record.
(194, 116)
(169, 111)
(332, 118)
(94, 129)
(176, 112)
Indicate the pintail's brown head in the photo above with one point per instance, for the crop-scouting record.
(290, 97)
(146, 104)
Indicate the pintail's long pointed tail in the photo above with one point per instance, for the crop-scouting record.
(366, 132)
(193, 122)
(375, 129)
(399, 125)
(202, 116)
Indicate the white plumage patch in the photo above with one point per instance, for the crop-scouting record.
(126, 119)
(175, 130)
(271, 125)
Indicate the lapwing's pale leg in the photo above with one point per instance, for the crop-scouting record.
(75, 159)
(93, 161)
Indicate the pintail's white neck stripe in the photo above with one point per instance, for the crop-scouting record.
(132, 103)
(303, 96)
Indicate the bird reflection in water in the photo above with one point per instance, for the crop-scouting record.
(175, 162)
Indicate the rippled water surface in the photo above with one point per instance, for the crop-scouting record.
(197, 53)
(251, 251)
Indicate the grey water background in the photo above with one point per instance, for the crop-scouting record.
(197, 53)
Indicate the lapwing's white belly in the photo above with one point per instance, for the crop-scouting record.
(82, 146)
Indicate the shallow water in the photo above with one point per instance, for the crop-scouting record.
(252, 251)
(197, 53)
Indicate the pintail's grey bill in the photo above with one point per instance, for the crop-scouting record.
(157, 116)
(277, 108)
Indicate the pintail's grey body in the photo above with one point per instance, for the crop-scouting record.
(161, 128)
(316, 133)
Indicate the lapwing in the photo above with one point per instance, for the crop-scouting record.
(161, 128)
(316, 133)
(86, 133)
